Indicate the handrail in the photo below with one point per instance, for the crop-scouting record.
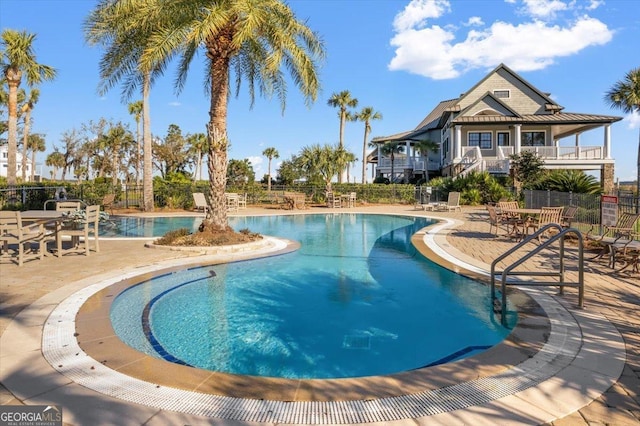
(560, 274)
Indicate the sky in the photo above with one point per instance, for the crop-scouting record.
(400, 57)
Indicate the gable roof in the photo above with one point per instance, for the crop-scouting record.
(493, 98)
(502, 67)
(565, 123)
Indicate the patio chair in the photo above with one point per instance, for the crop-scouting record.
(233, 203)
(333, 200)
(496, 220)
(108, 201)
(12, 231)
(453, 203)
(85, 228)
(68, 206)
(200, 202)
(547, 215)
(568, 214)
(623, 230)
(242, 201)
(352, 199)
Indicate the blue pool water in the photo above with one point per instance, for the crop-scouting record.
(356, 300)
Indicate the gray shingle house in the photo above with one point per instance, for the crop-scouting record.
(501, 115)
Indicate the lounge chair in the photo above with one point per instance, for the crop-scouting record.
(85, 228)
(623, 230)
(200, 202)
(453, 203)
(12, 231)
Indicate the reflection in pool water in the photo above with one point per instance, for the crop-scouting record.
(357, 299)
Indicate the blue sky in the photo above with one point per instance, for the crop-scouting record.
(400, 57)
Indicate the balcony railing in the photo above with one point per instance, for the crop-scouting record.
(567, 152)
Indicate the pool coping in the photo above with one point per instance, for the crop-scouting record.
(574, 355)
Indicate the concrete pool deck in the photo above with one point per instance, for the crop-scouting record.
(40, 286)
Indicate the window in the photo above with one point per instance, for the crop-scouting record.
(501, 94)
(503, 139)
(481, 139)
(533, 139)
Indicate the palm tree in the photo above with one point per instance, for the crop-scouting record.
(392, 148)
(343, 100)
(136, 109)
(253, 39)
(270, 153)
(366, 115)
(18, 60)
(27, 107)
(55, 160)
(625, 95)
(198, 146)
(123, 28)
(36, 144)
(324, 161)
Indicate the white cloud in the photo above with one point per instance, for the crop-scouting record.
(474, 21)
(633, 119)
(256, 163)
(594, 4)
(417, 11)
(544, 9)
(438, 53)
(175, 104)
(255, 160)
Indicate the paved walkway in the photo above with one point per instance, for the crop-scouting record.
(615, 296)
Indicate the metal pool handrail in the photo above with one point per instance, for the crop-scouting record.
(559, 274)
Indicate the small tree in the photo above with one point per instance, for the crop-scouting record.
(526, 169)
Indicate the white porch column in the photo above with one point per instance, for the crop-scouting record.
(409, 154)
(518, 136)
(607, 141)
(457, 144)
(379, 158)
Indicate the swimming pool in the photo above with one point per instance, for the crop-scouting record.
(355, 300)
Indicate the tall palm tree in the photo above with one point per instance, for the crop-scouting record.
(35, 143)
(18, 59)
(254, 39)
(27, 107)
(198, 146)
(270, 153)
(366, 115)
(625, 95)
(343, 101)
(123, 28)
(136, 109)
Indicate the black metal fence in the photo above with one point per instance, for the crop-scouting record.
(179, 196)
(589, 205)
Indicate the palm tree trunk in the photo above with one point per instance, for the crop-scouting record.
(269, 177)
(217, 136)
(12, 147)
(147, 178)
(25, 138)
(364, 152)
